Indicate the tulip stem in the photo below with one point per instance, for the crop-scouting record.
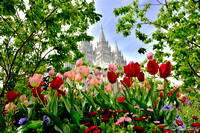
(40, 99)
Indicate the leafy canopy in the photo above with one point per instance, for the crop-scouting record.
(178, 28)
(38, 33)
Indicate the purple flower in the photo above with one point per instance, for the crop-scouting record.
(167, 108)
(23, 120)
(177, 115)
(188, 103)
(45, 120)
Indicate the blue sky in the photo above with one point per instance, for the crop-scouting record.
(128, 45)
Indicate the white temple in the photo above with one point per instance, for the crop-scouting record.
(102, 53)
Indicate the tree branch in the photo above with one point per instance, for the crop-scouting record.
(194, 36)
(11, 28)
(193, 69)
(154, 24)
(160, 2)
(41, 60)
(24, 42)
(4, 65)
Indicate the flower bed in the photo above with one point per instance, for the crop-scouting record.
(95, 101)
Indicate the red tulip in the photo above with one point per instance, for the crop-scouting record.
(39, 91)
(59, 93)
(132, 69)
(127, 81)
(170, 93)
(121, 99)
(165, 70)
(152, 67)
(140, 76)
(56, 83)
(161, 94)
(11, 96)
(112, 77)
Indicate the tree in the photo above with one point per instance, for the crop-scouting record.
(31, 31)
(178, 27)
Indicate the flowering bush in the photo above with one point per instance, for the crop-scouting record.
(92, 100)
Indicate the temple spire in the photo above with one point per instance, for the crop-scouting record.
(102, 37)
(116, 47)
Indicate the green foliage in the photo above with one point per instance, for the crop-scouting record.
(41, 33)
(177, 27)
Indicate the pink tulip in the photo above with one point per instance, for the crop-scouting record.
(71, 75)
(65, 75)
(87, 90)
(160, 87)
(104, 74)
(108, 88)
(96, 72)
(10, 107)
(124, 89)
(141, 85)
(120, 87)
(150, 55)
(25, 103)
(35, 80)
(115, 67)
(134, 85)
(83, 70)
(75, 91)
(111, 67)
(51, 72)
(98, 77)
(100, 82)
(46, 96)
(59, 75)
(90, 76)
(22, 98)
(66, 92)
(94, 82)
(91, 94)
(78, 78)
(79, 62)
(87, 80)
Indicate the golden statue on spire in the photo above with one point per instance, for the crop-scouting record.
(101, 25)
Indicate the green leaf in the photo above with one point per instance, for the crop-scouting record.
(128, 107)
(90, 100)
(103, 94)
(2, 120)
(55, 119)
(30, 125)
(74, 116)
(78, 110)
(66, 102)
(172, 98)
(24, 108)
(141, 104)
